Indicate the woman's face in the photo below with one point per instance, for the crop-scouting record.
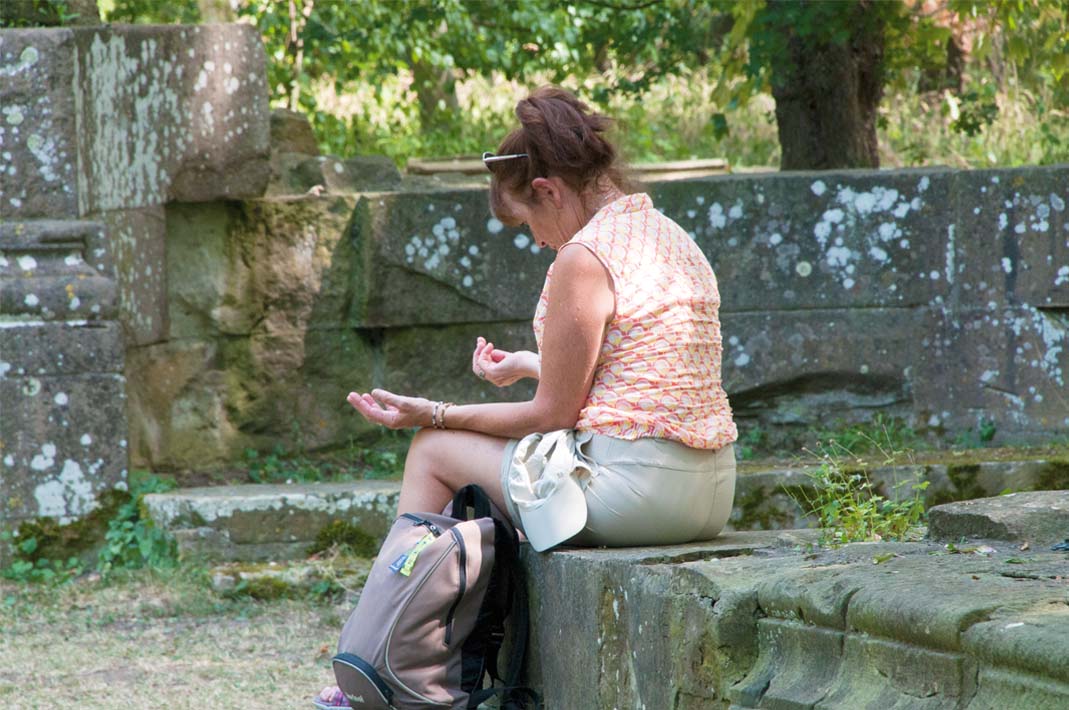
(554, 215)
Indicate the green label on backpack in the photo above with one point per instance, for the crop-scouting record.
(412, 554)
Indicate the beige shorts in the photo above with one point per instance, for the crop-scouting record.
(647, 491)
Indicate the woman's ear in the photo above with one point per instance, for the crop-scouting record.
(548, 189)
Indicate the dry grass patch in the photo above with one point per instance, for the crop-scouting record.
(161, 639)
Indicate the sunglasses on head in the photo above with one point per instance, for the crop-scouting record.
(489, 157)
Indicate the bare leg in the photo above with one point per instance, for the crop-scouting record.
(440, 462)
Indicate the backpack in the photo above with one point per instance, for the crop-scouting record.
(430, 621)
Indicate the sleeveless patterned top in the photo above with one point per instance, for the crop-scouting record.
(658, 374)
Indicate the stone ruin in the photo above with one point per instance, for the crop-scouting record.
(177, 286)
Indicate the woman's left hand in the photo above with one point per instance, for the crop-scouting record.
(392, 410)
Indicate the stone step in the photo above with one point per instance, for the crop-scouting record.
(279, 522)
(752, 620)
(259, 522)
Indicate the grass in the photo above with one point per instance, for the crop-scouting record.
(160, 638)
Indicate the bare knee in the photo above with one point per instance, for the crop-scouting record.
(420, 459)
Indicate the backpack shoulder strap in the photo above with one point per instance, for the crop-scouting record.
(472, 496)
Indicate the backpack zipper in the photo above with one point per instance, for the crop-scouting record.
(462, 557)
(416, 520)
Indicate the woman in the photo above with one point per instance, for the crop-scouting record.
(628, 439)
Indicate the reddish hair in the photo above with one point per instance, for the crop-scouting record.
(562, 138)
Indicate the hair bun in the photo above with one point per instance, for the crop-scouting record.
(562, 137)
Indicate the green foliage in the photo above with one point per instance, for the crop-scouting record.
(981, 436)
(848, 508)
(35, 13)
(882, 435)
(390, 77)
(378, 458)
(749, 442)
(43, 548)
(132, 540)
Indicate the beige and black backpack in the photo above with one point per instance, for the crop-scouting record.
(431, 620)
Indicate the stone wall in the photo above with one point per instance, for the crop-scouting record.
(938, 296)
(99, 129)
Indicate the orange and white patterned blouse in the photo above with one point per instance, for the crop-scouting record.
(658, 374)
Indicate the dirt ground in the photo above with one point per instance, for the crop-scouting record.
(160, 640)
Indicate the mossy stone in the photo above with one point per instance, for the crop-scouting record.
(343, 533)
(78, 539)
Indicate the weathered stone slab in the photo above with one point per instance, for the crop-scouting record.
(785, 370)
(436, 362)
(817, 240)
(1032, 642)
(1038, 517)
(691, 632)
(884, 674)
(270, 522)
(54, 270)
(291, 132)
(446, 247)
(124, 116)
(785, 675)
(62, 442)
(258, 266)
(137, 245)
(203, 402)
(170, 114)
(62, 400)
(298, 173)
(38, 124)
(1008, 365)
(1012, 237)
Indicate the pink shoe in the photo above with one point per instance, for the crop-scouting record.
(330, 698)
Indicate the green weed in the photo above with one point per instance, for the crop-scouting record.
(847, 506)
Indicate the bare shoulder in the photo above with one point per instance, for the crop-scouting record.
(581, 279)
(578, 261)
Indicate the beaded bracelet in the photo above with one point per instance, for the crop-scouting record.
(441, 415)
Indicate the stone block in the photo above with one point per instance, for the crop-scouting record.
(762, 501)
(787, 369)
(258, 266)
(29, 349)
(1039, 517)
(53, 270)
(170, 113)
(62, 443)
(955, 596)
(1011, 241)
(1008, 366)
(38, 124)
(298, 173)
(265, 522)
(795, 666)
(876, 673)
(436, 362)
(291, 132)
(137, 245)
(1034, 642)
(818, 240)
(203, 402)
(439, 258)
(997, 689)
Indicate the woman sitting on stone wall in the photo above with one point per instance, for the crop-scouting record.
(628, 439)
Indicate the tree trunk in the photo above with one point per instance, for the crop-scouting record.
(827, 94)
(436, 91)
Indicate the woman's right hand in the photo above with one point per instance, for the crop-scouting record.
(501, 367)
